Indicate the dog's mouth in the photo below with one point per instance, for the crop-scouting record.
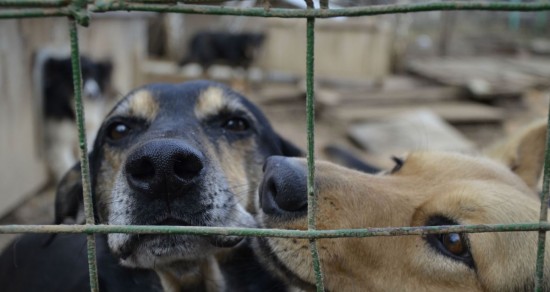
(215, 240)
(263, 247)
(172, 245)
(172, 222)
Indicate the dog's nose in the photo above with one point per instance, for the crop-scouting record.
(163, 167)
(283, 189)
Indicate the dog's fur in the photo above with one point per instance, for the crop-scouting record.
(62, 266)
(425, 188)
(232, 49)
(54, 77)
(185, 154)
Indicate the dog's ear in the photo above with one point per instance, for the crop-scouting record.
(68, 199)
(290, 150)
(523, 153)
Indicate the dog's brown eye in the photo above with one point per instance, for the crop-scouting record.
(454, 243)
(118, 131)
(236, 125)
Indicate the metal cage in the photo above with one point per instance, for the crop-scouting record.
(78, 13)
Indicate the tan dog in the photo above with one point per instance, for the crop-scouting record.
(425, 188)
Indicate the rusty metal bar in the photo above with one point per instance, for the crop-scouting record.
(282, 233)
(80, 122)
(539, 283)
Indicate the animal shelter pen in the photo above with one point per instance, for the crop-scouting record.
(78, 13)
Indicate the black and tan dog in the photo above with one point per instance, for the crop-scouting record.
(425, 188)
(185, 154)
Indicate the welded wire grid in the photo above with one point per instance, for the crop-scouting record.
(78, 12)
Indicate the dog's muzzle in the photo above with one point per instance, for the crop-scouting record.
(283, 191)
(163, 168)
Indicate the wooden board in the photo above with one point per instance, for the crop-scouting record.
(416, 130)
(453, 112)
(393, 97)
(484, 77)
(358, 48)
(22, 171)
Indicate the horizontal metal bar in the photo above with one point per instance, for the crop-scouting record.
(33, 13)
(286, 13)
(258, 232)
(33, 3)
(327, 13)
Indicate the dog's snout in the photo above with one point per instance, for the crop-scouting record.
(163, 166)
(283, 189)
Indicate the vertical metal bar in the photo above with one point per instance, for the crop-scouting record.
(310, 106)
(539, 283)
(84, 165)
(514, 18)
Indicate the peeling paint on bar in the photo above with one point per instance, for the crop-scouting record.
(539, 272)
(84, 166)
(281, 233)
(106, 6)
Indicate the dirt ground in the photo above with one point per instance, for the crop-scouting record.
(289, 120)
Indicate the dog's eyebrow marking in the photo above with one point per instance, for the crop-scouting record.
(212, 101)
(142, 104)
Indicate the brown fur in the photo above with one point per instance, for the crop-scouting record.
(468, 190)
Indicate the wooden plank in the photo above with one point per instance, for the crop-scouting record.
(22, 171)
(535, 66)
(368, 57)
(416, 130)
(395, 97)
(453, 112)
(484, 77)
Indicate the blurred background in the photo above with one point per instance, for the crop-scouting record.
(384, 85)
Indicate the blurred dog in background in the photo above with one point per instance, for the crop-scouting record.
(237, 50)
(53, 78)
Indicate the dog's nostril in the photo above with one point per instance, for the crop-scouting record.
(187, 168)
(283, 189)
(142, 169)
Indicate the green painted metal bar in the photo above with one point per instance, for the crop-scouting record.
(545, 197)
(326, 13)
(310, 121)
(106, 6)
(86, 186)
(33, 13)
(175, 1)
(514, 18)
(281, 233)
(33, 3)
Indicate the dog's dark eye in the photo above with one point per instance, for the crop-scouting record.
(118, 131)
(452, 245)
(236, 125)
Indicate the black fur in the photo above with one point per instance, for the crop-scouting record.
(346, 158)
(232, 49)
(58, 89)
(27, 265)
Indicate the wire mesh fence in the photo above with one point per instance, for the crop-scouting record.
(78, 13)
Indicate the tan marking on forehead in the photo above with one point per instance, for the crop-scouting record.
(143, 104)
(210, 102)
